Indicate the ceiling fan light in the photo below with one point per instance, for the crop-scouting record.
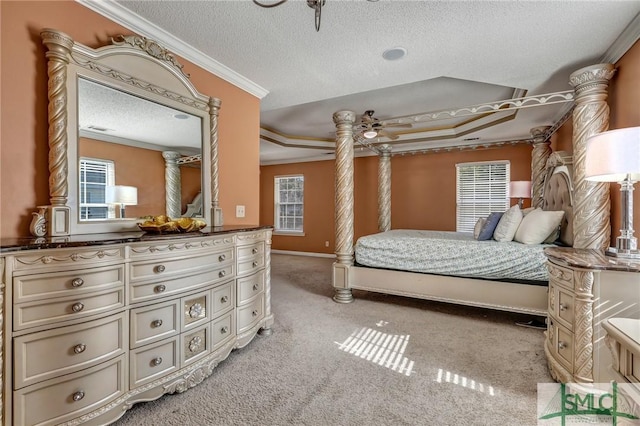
(370, 134)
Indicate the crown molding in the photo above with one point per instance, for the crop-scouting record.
(141, 26)
(624, 42)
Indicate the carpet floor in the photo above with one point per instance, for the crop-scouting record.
(382, 360)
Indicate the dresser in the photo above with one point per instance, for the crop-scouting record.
(96, 323)
(585, 288)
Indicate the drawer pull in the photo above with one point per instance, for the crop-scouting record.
(224, 299)
(77, 282)
(222, 257)
(196, 310)
(256, 287)
(78, 349)
(222, 274)
(563, 307)
(562, 345)
(224, 330)
(78, 396)
(77, 307)
(255, 263)
(160, 268)
(156, 361)
(160, 288)
(156, 323)
(255, 250)
(254, 313)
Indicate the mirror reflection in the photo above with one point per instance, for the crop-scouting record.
(136, 157)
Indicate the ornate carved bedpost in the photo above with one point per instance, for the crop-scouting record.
(172, 183)
(344, 205)
(591, 226)
(539, 155)
(384, 188)
(216, 212)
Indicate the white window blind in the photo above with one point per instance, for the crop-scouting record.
(289, 203)
(95, 176)
(481, 188)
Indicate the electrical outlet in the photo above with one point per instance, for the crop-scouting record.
(239, 211)
(326, 243)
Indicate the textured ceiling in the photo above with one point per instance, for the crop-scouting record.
(459, 53)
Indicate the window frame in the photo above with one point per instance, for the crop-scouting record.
(498, 202)
(277, 230)
(110, 178)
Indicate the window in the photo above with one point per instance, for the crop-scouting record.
(481, 188)
(289, 203)
(95, 176)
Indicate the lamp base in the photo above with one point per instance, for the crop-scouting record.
(622, 254)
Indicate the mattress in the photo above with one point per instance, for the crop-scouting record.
(452, 253)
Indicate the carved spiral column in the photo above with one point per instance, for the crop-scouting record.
(172, 183)
(591, 226)
(539, 155)
(344, 204)
(384, 189)
(583, 340)
(267, 282)
(214, 110)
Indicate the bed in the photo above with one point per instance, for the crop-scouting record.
(422, 264)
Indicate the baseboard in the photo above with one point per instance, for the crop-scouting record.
(303, 253)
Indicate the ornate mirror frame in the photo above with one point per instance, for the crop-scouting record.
(138, 66)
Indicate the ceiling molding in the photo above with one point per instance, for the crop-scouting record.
(141, 26)
(623, 43)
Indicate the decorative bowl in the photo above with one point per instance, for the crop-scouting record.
(165, 225)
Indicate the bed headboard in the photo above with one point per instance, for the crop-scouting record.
(558, 192)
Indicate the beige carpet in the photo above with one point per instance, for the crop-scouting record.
(382, 360)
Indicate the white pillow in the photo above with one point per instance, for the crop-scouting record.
(527, 211)
(508, 225)
(538, 225)
(479, 224)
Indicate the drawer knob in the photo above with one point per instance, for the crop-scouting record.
(160, 288)
(77, 307)
(563, 307)
(79, 348)
(224, 330)
(156, 323)
(156, 361)
(78, 396)
(222, 257)
(255, 250)
(255, 263)
(254, 313)
(562, 345)
(196, 310)
(222, 273)
(256, 287)
(160, 268)
(77, 282)
(224, 299)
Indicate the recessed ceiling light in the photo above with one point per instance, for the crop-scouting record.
(181, 116)
(394, 53)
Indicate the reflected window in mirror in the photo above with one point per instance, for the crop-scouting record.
(95, 176)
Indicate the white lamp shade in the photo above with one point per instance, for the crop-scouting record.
(612, 156)
(120, 194)
(520, 189)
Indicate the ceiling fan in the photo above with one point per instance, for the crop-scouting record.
(371, 127)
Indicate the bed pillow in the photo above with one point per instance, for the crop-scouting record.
(479, 224)
(489, 226)
(527, 211)
(539, 226)
(508, 225)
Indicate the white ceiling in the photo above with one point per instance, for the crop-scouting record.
(459, 53)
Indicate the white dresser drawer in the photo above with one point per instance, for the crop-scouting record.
(222, 330)
(561, 346)
(27, 288)
(249, 287)
(55, 401)
(64, 350)
(182, 247)
(252, 250)
(37, 261)
(195, 310)
(195, 344)
(223, 298)
(161, 269)
(560, 275)
(250, 265)
(153, 361)
(155, 322)
(44, 312)
(250, 314)
(161, 289)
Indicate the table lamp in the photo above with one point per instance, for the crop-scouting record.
(614, 156)
(520, 189)
(123, 195)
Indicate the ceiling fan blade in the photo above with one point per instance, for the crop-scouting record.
(383, 133)
(405, 125)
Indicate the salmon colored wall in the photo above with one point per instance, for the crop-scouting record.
(423, 193)
(23, 141)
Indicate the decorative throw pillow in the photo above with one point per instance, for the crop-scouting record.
(508, 225)
(489, 226)
(539, 226)
(479, 224)
(527, 211)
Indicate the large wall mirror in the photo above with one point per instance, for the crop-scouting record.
(129, 137)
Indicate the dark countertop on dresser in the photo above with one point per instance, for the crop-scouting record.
(590, 259)
(8, 245)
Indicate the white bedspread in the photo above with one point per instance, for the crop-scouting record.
(452, 253)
